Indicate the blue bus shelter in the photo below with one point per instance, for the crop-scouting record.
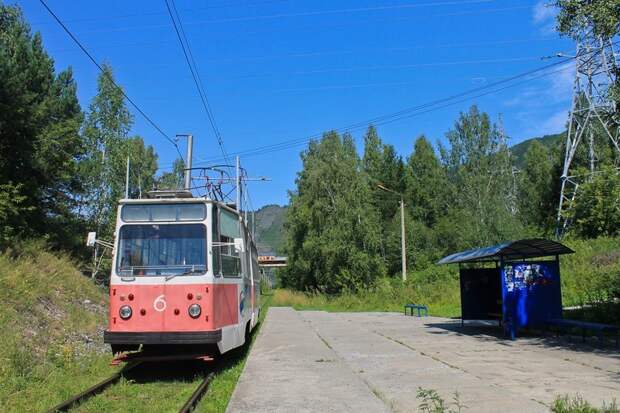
(516, 283)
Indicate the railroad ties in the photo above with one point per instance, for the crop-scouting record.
(74, 401)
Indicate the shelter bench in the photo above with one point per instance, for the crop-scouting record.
(599, 328)
(418, 307)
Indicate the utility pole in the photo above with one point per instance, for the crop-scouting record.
(188, 170)
(593, 117)
(403, 248)
(402, 239)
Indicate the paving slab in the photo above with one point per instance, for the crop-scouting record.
(377, 361)
(290, 369)
(489, 372)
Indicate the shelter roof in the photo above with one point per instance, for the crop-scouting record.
(512, 250)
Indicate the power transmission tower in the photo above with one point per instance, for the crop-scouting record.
(593, 117)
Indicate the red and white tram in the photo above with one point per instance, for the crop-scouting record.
(184, 277)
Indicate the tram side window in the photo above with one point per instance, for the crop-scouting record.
(215, 236)
(229, 230)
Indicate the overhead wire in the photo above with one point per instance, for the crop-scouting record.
(313, 27)
(193, 67)
(92, 59)
(414, 111)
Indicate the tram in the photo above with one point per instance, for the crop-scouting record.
(184, 277)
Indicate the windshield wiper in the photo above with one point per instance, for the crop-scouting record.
(191, 271)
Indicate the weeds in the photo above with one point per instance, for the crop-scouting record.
(576, 404)
(432, 402)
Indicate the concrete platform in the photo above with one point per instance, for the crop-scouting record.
(375, 362)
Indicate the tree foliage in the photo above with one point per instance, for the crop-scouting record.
(107, 148)
(602, 16)
(333, 232)
(479, 167)
(598, 210)
(39, 133)
(536, 184)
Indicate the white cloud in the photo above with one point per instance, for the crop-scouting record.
(562, 82)
(556, 87)
(555, 124)
(543, 12)
(543, 16)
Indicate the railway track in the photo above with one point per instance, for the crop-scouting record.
(75, 400)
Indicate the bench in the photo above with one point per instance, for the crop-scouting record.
(599, 328)
(418, 307)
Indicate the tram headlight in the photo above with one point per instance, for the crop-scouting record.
(125, 312)
(194, 310)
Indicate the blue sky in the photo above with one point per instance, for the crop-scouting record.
(277, 70)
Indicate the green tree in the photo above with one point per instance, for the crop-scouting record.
(426, 184)
(603, 16)
(382, 166)
(479, 167)
(143, 166)
(39, 134)
(332, 230)
(597, 212)
(174, 178)
(108, 145)
(537, 199)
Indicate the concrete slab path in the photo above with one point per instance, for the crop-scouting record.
(375, 362)
(290, 369)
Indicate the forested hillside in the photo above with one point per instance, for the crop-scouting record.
(551, 142)
(269, 229)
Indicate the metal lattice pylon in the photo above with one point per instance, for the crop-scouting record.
(593, 117)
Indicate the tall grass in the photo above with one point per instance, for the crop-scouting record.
(50, 327)
(436, 287)
(590, 277)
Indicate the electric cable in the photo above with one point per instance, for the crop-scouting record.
(189, 58)
(92, 59)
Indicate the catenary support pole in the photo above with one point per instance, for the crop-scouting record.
(188, 167)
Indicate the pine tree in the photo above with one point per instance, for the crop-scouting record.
(39, 140)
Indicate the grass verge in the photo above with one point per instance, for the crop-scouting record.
(50, 329)
(590, 281)
(51, 345)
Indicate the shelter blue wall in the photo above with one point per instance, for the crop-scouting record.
(531, 293)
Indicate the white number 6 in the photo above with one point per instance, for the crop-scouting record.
(159, 304)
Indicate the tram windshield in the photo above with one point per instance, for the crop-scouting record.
(152, 250)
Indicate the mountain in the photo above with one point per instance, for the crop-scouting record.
(269, 229)
(519, 150)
